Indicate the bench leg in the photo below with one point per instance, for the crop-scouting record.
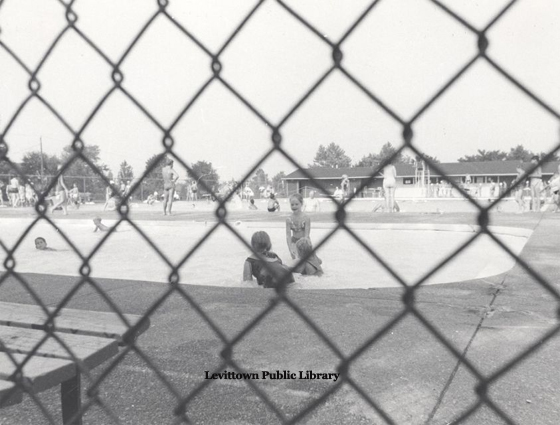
(71, 396)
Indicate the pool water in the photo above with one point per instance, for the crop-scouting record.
(411, 250)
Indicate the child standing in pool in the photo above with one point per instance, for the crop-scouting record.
(298, 225)
(264, 264)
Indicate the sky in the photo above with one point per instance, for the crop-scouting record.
(404, 51)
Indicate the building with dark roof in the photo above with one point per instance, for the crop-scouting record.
(410, 176)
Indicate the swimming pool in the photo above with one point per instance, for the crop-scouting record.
(411, 249)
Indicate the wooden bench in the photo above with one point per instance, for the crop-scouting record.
(93, 337)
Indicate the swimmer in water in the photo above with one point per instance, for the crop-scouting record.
(252, 205)
(41, 244)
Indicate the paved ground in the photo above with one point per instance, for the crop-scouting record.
(407, 372)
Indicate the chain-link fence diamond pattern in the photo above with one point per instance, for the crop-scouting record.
(118, 68)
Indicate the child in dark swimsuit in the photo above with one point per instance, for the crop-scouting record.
(312, 265)
(273, 204)
(265, 265)
(298, 225)
(252, 205)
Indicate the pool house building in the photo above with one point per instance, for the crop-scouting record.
(412, 180)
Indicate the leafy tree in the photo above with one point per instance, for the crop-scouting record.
(203, 172)
(153, 181)
(259, 179)
(368, 160)
(388, 150)
(554, 157)
(519, 153)
(332, 156)
(126, 173)
(80, 172)
(484, 155)
(277, 183)
(429, 158)
(31, 164)
(5, 168)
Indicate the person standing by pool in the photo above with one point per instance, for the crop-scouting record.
(390, 186)
(535, 179)
(1, 194)
(344, 185)
(170, 177)
(61, 194)
(13, 192)
(518, 191)
(553, 186)
(194, 190)
(273, 204)
(298, 225)
(311, 204)
(30, 197)
(74, 196)
(110, 197)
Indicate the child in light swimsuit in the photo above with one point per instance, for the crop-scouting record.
(312, 265)
(298, 225)
(535, 182)
(518, 190)
(265, 265)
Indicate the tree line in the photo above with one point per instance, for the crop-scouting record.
(334, 156)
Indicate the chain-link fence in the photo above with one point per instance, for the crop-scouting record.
(227, 349)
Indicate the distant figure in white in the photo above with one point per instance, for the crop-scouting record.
(389, 186)
(248, 193)
(345, 185)
(12, 191)
(110, 198)
(170, 177)
(535, 179)
(61, 194)
(338, 194)
(520, 185)
(311, 204)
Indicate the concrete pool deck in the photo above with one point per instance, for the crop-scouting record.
(411, 375)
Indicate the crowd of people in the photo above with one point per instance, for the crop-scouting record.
(17, 194)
